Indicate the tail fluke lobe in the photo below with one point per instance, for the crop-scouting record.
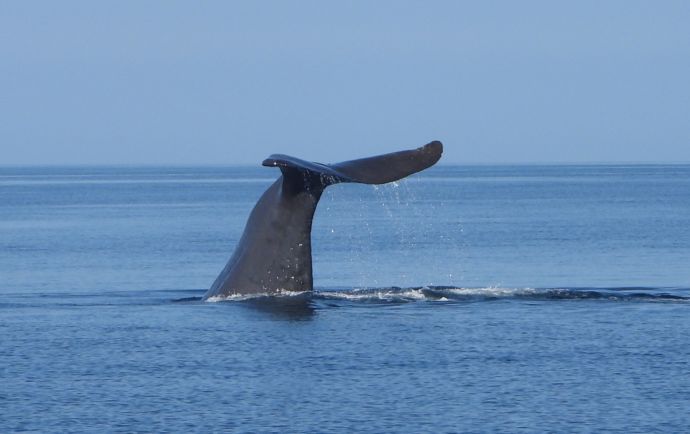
(390, 167)
(373, 170)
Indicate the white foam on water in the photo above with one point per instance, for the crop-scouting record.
(491, 291)
(241, 297)
(435, 294)
(383, 294)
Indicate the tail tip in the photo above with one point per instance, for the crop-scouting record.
(433, 146)
(432, 151)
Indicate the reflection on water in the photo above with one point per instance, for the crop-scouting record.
(290, 308)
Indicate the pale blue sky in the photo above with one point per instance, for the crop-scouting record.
(165, 82)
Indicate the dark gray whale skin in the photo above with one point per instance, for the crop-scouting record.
(274, 253)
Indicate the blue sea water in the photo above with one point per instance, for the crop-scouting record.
(464, 299)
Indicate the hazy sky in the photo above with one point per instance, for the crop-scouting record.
(161, 82)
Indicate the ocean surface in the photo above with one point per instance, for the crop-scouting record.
(464, 299)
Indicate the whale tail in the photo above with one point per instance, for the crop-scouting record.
(373, 170)
(274, 253)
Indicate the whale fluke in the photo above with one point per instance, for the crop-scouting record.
(373, 170)
(274, 253)
(391, 167)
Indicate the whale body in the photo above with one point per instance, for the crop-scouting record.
(274, 253)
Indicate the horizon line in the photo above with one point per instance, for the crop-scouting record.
(440, 164)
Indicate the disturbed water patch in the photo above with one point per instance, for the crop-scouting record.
(326, 297)
(459, 294)
(449, 293)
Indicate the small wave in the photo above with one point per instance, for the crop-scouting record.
(187, 299)
(449, 294)
(426, 293)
